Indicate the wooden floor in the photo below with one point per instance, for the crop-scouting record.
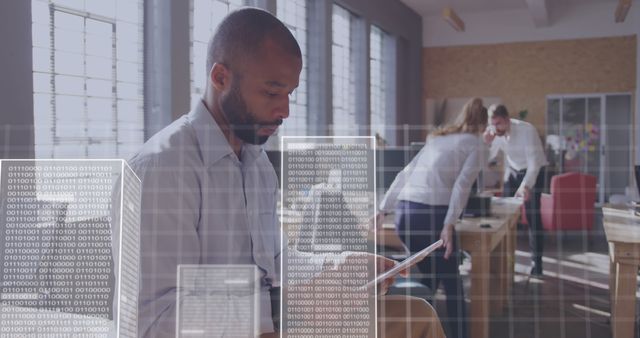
(555, 306)
(571, 300)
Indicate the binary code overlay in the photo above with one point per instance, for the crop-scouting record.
(328, 184)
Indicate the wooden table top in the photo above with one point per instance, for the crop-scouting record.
(502, 210)
(620, 224)
(473, 236)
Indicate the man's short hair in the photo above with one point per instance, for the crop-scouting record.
(241, 35)
(498, 111)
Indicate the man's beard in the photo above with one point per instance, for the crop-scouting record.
(242, 122)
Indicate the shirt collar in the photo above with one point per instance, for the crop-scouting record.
(213, 144)
(513, 128)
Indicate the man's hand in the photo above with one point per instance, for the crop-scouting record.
(523, 192)
(488, 136)
(447, 238)
(383, 264)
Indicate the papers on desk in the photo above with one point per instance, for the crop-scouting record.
(625, 216)
(507, 200)
(634, 208)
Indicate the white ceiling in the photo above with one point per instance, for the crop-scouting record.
(434, 7)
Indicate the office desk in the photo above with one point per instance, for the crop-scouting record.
(492, 255)
(623, 234)
(492, 260)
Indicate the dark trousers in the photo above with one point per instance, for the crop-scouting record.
(532, 208)
(418, 226)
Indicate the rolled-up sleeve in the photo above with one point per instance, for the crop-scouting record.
(535, 158)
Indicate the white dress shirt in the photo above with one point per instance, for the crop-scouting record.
(442, 173)
(201, 204)
(523, 150)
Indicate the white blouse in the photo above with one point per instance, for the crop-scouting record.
(442, 173)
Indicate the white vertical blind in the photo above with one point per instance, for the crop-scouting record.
(205, 17)
(343, 73)
(382, 88)
(87, 78)
(294, 14)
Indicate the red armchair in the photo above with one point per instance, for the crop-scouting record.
(570, 206)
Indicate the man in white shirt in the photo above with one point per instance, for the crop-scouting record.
(524, 170)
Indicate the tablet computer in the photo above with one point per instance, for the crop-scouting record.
(411, 260)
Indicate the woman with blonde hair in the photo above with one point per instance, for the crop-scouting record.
(430, 194)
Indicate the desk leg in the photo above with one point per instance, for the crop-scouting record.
(512, 232)
(612, 283)
(624, 307)
(498, 283)
(480, 274)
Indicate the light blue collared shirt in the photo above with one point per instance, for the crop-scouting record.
(201, 204)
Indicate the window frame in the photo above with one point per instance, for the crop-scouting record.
(48, 142)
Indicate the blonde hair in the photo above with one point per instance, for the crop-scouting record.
(473, 120)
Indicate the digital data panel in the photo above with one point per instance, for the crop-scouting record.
(69, 248)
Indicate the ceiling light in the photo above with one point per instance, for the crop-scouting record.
(622, 9)
(453, 19)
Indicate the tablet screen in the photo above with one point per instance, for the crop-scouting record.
(411, 260)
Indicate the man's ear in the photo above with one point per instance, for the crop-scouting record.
(220, 76)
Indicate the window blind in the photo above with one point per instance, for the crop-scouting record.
(343, 73)
(205, 17)
(382, 85)
(88, 80)
(294, 14)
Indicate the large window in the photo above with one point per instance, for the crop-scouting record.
(294, 14)
(343, 73)
(87, 78)
(206, 15)
(382, 85)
